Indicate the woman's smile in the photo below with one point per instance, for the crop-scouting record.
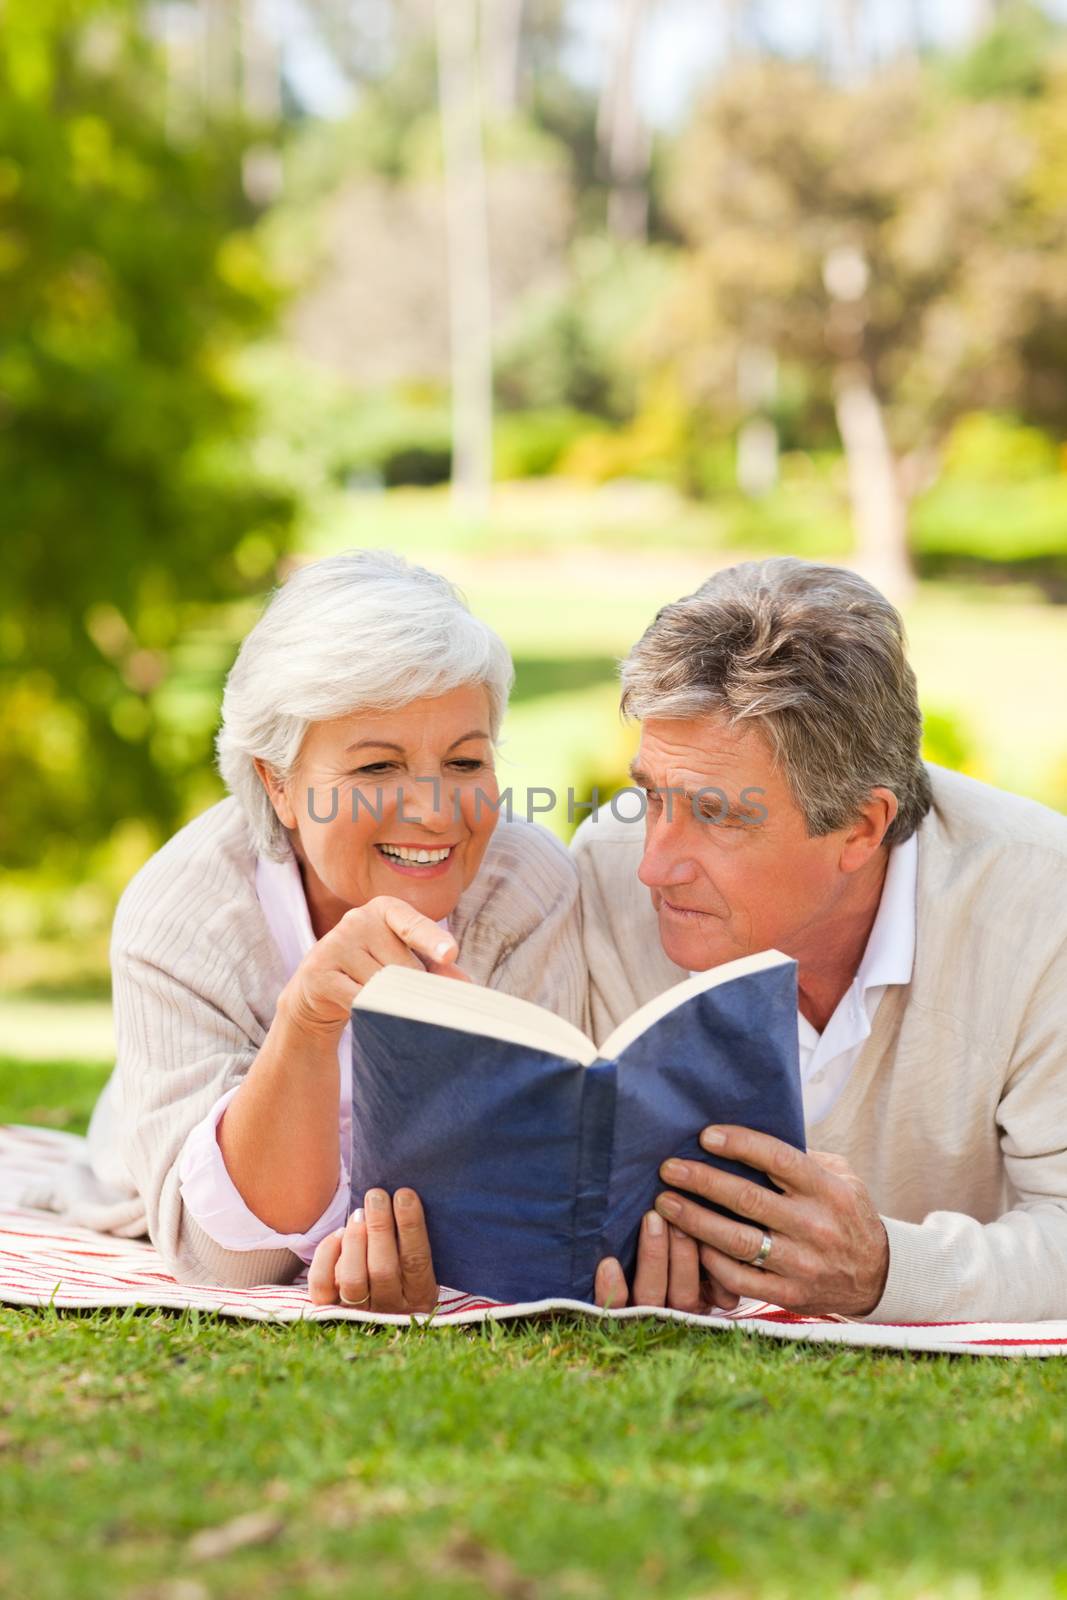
(418, 860)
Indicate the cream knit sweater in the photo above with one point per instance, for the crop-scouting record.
(955, 1113)
(196, 977)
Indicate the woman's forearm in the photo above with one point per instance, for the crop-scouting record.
(279, 1135)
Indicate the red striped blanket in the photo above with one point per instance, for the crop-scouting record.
(46, 1260)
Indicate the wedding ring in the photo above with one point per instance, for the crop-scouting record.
(345, 1302)
(760, 1258)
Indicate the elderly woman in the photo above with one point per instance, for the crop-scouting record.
(357, 743)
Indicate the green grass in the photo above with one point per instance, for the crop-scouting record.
(521, 1463)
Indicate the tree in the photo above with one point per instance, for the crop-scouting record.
(890, 242)
(468, 252)
(128, 273)
(622, 134)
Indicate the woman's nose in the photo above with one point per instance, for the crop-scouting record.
(430, 803)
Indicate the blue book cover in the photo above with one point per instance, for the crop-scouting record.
(534, 1153)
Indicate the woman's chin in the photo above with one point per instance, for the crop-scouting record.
(435, 897)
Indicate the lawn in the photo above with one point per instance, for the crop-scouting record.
(164, 1457)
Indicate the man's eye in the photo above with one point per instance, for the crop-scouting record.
(654, 797)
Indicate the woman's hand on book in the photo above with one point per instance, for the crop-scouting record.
(380, 1261)
(668, 1273)
(384, 932)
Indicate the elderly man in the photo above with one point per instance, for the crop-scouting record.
(786, 805)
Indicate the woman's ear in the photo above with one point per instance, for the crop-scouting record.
(276, 792)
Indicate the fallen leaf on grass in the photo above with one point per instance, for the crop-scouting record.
(254, 1527)
(499, 1575)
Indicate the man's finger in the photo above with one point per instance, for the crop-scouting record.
(684, 1291)
(653, 1256)
(322, 1273)
(419, 933)
(353, 1286)
(763, 1206)
(416, 1262)
(838, 1166)
(714, 1292)
(609, 1289)
(793, 1170)
(383, 1260)
(741, 1241)
(752, 1282)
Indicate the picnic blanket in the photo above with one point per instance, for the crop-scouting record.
(47, 1259)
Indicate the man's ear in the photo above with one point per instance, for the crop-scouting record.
(276, 792)
(865, 835)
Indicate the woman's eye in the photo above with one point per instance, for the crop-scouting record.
(468, 764)
(376, 769)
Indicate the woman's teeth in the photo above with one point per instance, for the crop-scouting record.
(403, 852)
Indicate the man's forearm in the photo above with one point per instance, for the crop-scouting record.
(279, 1135)
(953, 1268)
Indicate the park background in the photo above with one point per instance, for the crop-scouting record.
(575, 301)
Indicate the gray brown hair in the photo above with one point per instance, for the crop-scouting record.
(814, 655)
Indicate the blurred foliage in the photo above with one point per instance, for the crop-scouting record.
(948, 742)
(532, 444)
(585, 342)
(959, 226)
(1011, 57)
(129, 272)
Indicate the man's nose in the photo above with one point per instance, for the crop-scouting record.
(666, 862)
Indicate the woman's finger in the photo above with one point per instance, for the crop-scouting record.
(683, 1291)
(383, 1259)
(448, 971)
(610, 1286)
(322, 1273)
(418, 932)
(353, 1286)
(413, 1245)
(653, 1247)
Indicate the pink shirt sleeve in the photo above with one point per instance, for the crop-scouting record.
(212, 1199)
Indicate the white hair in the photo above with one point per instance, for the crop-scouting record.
(359, 631)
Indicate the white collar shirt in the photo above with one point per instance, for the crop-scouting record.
(827, 1058)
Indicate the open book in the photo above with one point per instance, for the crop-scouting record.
(536, 1154)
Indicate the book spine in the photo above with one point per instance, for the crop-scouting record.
(596, 1138)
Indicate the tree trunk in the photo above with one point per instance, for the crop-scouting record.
(986, 14)
(466, 205)
(501, 38)
(261, 91)
(220, 49)
(849, 52)
(757, 438)
(879, 507)
(624, 142)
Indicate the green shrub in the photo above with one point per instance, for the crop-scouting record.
(531, 444)
(991, 529)
(989, 447)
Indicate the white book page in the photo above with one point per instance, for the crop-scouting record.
(467, 1007)
(651, 1012)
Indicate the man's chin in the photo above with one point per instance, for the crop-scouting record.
(697, 947)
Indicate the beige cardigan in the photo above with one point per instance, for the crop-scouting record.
(196, 978)
(955, 1114)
